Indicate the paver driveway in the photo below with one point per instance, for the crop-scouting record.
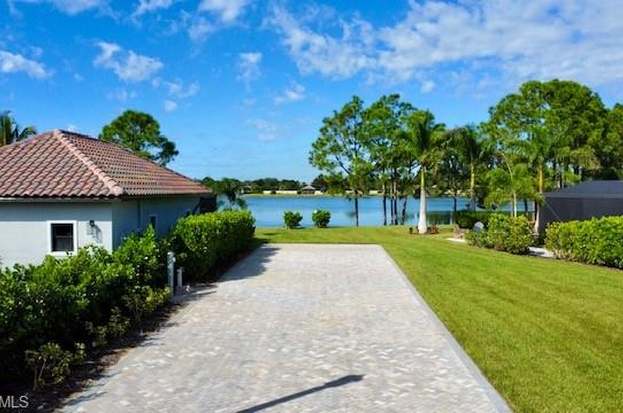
(299, 328)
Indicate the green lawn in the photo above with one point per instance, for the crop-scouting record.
(548, 334)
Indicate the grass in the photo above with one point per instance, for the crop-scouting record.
(547, 334)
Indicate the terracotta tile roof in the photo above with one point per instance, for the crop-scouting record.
(63, 164)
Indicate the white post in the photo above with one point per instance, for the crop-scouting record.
(171, 271)
(180, 281)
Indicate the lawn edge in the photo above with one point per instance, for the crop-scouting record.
(492, 393)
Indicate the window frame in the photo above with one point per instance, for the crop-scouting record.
(74, 224)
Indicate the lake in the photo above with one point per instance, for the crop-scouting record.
(268, 210)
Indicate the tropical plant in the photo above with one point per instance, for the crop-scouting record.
(11, 132)
(424, 136)
(230, 189)
(466, 144)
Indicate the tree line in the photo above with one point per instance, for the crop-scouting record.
(544, 136)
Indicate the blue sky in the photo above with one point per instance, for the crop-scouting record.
(241, 86)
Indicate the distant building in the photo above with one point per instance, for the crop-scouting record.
(308, 190)
(61, 190)
(585, 200)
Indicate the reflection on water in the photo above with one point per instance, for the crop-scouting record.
(268, 210)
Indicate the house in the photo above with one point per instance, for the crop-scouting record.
(308, 190)
(583, 201)
(61, 190)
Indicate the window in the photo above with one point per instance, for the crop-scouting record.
(62, 237)
(153, 220)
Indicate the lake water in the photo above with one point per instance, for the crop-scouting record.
(268, 210)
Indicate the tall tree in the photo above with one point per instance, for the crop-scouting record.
(424, 134)
(385, 129)
(341, 149)
(608, 146)
(140, 133)
(452, 172)
(467, 144)
(11, 132)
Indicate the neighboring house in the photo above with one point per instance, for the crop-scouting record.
(583, 201)
(61, 190)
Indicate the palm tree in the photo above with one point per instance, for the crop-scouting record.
(474, 153)
(10, 131)
(230, 188)
(424, 134)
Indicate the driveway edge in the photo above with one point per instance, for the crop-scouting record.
(493, 395)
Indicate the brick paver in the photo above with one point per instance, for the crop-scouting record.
(299, 328)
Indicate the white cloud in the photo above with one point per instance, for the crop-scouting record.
(328, 55)
(149, 6)
(14, 62)
(226, 10)
(427, 86)
(169, 105)
(72, 128)
(177, 89)
(122, 95)
(249, 65)
(199, 28)
(71, 7)
(266, 131)
(510, 40)
(127, 65)
(294, 93)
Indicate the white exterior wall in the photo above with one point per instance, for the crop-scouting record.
(24, 228)
(133, 215)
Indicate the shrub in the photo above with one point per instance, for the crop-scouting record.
(46, 309)
(467, 219)
(204, 242)
(50, 364)
(596, 241)
(292, 219)
(321, 218)
(505, 233)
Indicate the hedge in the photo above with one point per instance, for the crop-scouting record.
(54, 313)
(50, 313)
(596, 241)
(504, 233)
(467, 219)
(204, 242)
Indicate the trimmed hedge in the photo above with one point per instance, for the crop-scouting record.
(596, 241)
(204, 242)
(52, 312)
(505, 233)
